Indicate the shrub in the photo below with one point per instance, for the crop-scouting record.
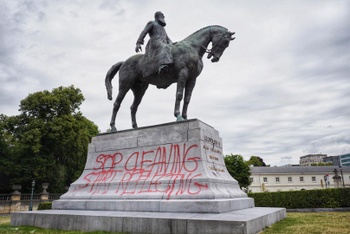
(45, 206)
(322, 198)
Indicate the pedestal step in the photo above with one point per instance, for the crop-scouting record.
(179, 206)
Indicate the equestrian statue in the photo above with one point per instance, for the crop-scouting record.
(165, 63)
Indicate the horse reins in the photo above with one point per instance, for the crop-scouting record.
(209, 51)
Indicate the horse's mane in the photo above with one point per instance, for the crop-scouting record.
(204, 28)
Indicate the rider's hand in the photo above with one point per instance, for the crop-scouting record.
(138, 48)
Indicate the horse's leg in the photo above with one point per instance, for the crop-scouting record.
(183, 74)
(121, 94)
(139, 91)
(188, 93)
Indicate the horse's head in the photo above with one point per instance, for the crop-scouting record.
(220, 41)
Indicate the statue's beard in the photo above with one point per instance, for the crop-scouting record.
(161, 21)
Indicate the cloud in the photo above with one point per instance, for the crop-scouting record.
(273, 93)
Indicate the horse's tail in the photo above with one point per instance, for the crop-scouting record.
(109, 76)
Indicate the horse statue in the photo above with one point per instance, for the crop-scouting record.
(187, 66)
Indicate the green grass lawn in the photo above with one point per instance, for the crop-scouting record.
(295, 223)
(312, 223)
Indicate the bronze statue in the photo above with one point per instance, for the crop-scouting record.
(158, 50)
(187, 56)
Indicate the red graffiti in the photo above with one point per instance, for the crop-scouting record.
(168, 170)
(101, 177)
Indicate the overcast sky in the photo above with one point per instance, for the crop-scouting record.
(280, 91)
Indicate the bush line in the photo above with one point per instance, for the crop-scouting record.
(45, 206)
(322, 198)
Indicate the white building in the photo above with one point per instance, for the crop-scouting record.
(274, 179)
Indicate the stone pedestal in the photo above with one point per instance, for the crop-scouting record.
(176, 167)
(173, 170)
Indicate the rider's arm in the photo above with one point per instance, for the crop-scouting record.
(142, 36)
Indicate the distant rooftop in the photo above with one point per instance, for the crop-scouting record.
(304, 169)
(314, 155)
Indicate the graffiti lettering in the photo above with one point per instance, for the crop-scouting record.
(99, 180)
(168, 169)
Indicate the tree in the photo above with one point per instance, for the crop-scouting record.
(322, 164)
(47, 141)
(256, 161)
(6, 151)
(238, 169)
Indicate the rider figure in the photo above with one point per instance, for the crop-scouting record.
(158, 49)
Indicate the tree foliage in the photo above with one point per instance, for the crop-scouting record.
(322, 164)
(47, 141)
(256, 161)
(238, 169)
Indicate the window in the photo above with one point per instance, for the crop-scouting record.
(265, 179)
(301, 178)
(277, 179)
(290, 179)
(251, 179)
(313, 179)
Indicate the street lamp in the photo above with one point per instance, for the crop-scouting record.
(342, 177)
(31, 196)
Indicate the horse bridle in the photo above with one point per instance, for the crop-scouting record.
(210, 50)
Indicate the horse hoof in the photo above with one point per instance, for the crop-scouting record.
(180, 118)
(113, 129)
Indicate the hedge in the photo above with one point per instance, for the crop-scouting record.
(322, 198)
(45, 206)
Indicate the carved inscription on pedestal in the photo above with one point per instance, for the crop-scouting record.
(214, 154)
(212, 141)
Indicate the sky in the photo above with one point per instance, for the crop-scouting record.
(280, 91)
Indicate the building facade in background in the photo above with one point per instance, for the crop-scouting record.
(344, 159)
(335, 160)
(309, 159)
(273, 179)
